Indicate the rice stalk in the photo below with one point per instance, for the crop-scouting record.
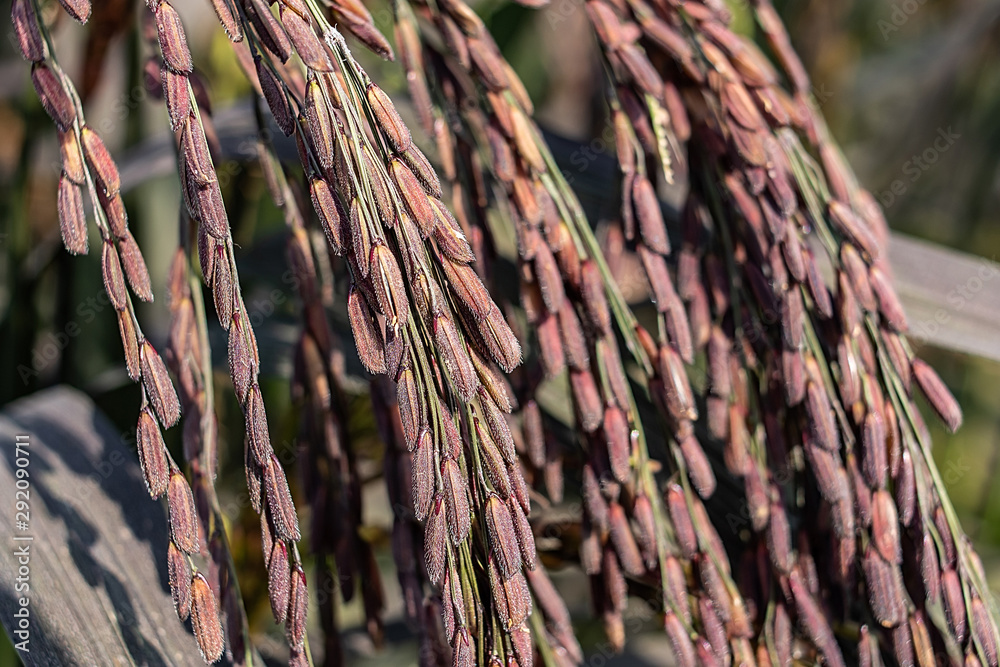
(377, 197)
(268, 487)
(330, 477)
(568, 269)
(87, 165)
(779, 387)
(768, 191)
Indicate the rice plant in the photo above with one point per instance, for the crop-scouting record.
(772, 371)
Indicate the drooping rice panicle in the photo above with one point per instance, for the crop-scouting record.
(569, 297)
(830, 362)
(774, 353)
(202, 195)
(88, 167)
(377, 198)
(330, 477)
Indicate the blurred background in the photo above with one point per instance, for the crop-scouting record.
(897, 81)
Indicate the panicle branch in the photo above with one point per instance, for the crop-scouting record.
(420, 315)
(824, 367)
(776, 356)
(569, 297)
(269, 491)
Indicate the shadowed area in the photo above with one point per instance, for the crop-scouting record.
(98, 591)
